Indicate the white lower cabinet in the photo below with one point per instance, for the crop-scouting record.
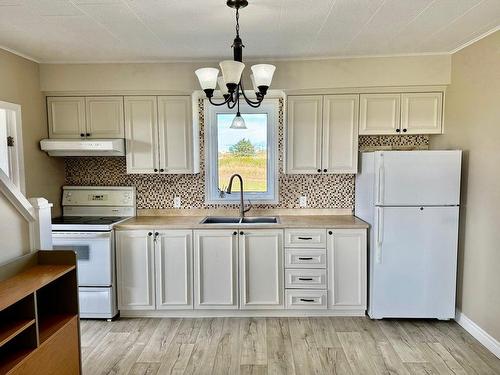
(135, 270)
(216, 269)
(347, 258)
(261, 269)
(173, 266)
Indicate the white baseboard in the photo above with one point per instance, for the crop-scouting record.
(478, 333)
(236, 313)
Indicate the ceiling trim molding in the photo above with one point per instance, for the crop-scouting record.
(20, 54)
(256, 59)
(477, 39)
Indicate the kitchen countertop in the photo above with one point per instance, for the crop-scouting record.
(285, 221)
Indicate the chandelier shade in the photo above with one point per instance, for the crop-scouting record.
(207, 78)
(231, 72)
(263, 74)
(238, 122)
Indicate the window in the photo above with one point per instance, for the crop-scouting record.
(11, 143)
(250, 152)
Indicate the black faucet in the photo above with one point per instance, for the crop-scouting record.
(242, 204)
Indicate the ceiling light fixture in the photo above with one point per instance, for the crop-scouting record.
(230, 83)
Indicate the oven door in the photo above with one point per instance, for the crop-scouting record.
(94, 253)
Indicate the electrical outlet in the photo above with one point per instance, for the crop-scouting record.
(302, 201)
(177, 202)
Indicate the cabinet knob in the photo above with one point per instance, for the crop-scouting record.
(150, 234)
(405, 130)
(330, 232)
(88, 134)
(235, 233)
(241, 233)
(157, 234)
(325, 170)
(162, 170)
(398, 130)
(82, 135)
(156, 170)
(319, 170)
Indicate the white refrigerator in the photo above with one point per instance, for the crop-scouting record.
(411, 201)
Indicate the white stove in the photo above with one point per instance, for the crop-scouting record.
(86, 227)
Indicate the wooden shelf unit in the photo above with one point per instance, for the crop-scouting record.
(39, 325)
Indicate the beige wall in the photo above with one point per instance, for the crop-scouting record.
(360, 72)
(473, 125)
(14, 232)
(20, 84)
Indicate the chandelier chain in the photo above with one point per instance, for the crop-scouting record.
(237, 22)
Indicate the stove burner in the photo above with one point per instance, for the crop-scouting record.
(92, 220)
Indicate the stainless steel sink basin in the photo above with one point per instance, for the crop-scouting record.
(237, 220)
(220, 220)
(259, 220)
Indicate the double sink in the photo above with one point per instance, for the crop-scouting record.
(239, 220)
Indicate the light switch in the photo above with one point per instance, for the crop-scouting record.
(177, 202)
(302, 201)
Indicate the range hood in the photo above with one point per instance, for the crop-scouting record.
(83, 147)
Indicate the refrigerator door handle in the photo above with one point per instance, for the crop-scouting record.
(381, 178)
(380, 235)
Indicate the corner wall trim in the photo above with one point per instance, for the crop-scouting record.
(478, 333)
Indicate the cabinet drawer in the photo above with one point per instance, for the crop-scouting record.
(305, 258)
(305, 278)
(305, 299)
(305, 238)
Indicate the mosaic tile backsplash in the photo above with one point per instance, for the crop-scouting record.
(158, 191)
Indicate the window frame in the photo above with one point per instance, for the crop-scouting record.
(15, 153)
(269, 107)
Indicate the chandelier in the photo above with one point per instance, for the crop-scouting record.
(230, 83)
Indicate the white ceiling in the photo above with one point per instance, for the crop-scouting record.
(177, 30)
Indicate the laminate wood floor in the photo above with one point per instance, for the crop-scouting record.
(281, 346)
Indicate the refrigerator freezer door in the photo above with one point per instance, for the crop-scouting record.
(417, 178)
(413, 262)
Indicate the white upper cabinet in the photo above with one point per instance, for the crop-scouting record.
(421, 113)
(347, 281)
(379, 114)
(216, 269)
(173, 260)
(104, 116)
(66, 117)
(175, 134)
(141, 132)
(340, 133)
(85, 117)
(305, 116)
(407, 113)
(322, 134)
(261, 269)
(159, 134)
(135, 270)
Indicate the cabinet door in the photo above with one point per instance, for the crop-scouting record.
(175, 134)
(135, 270)
(305, 116)
(347, 269)
(216, 269)
(379, 114)
(105, 116)
(421, 113)
(141, 133)
(173, 260)
(66, 116)
(340, 133)
(261, 269)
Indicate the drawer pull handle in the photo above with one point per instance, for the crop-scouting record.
(304, 258)
(305, 278)
(306, 300)
(305, 238)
